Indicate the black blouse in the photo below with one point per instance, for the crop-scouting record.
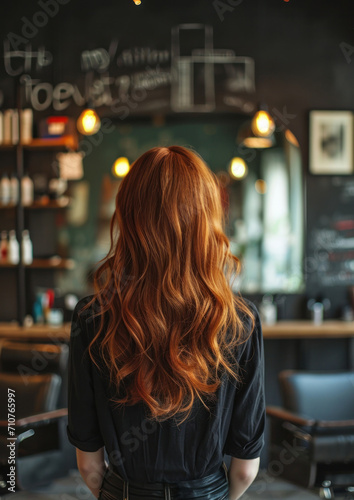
(143, 450)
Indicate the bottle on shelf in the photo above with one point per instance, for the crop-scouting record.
(3, 246)
(38, 309)
(27, 248)
(268, 309)
(13, 248)
(26, 190)
(14, 192)
(26, 117)
(5, 190)
(45, 305)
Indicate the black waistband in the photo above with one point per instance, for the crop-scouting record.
(191, 483)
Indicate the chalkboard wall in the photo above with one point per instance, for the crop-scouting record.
(303, 54)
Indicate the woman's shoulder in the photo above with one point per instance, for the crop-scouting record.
(252, 332)
(245, 316)
(83, 301)
(85, 313)
(251, 305)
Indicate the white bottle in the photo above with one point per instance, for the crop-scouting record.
(14, 190)
(15, 127)
(5, 190)
(13, 249)
(27, 249)
(26, 125)
(8, 125)
(3, 247)
(27, 190)
(268, 310)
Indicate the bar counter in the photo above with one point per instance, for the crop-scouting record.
(289, 329)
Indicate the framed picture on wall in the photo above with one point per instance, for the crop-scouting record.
(331, 138)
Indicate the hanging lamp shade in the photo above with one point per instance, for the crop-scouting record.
(248, 138)
(290, 137)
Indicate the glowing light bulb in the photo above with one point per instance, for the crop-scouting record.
(262, 124)
(137, 2)
(121, 167)
(238, 168)
(88, 122)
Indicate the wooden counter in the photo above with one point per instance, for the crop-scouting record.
(35, 332)
(299, 329)
(306, 329)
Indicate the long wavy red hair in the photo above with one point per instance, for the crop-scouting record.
(170, 323)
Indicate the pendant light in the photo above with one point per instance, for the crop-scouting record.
(262, 124)
(258, 133)
(88, 122)
(238, 168)
(248, 138)
(121, 167)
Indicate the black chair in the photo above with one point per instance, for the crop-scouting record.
(312, 434)
(27, 359)
(41, 449)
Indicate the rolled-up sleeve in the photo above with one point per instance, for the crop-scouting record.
(83, 426)
(245, 438)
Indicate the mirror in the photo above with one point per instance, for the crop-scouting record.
(264, 208)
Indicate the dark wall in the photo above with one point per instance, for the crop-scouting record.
(297, 46)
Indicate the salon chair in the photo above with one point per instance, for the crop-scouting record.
(27, 358)
(312, 434)
(41, 451)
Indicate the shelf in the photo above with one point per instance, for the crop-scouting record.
(8, 206)
(6, 265)
(62, 202)
(59, 203)
(21, 153)
(52, 263)
(67, 141)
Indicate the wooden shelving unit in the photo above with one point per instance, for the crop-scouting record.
(65, 143)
